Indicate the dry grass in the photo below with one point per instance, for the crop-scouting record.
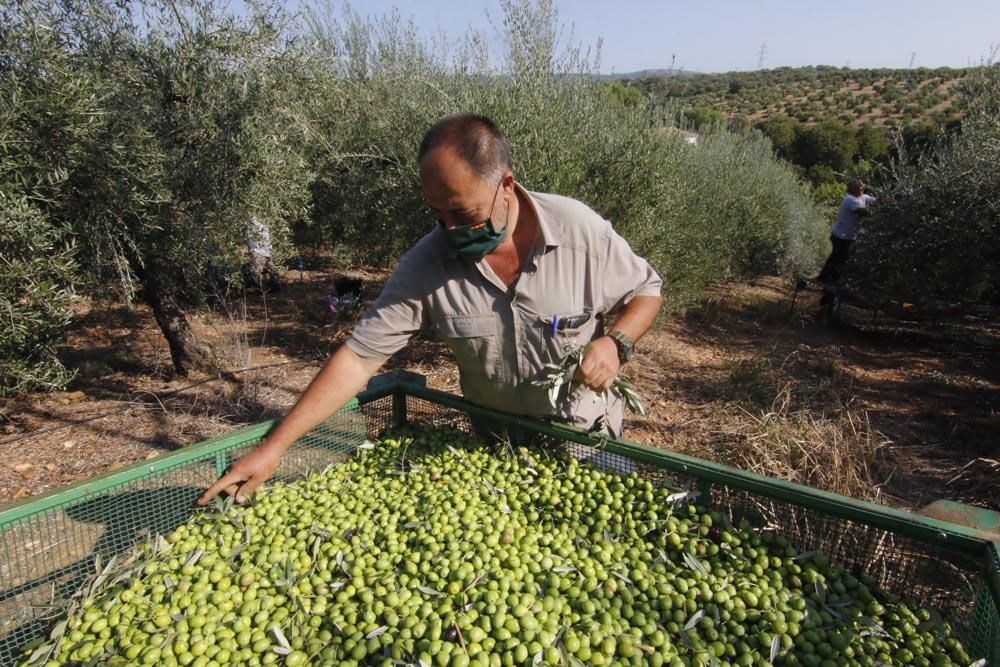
(839, 452)
(980, 477)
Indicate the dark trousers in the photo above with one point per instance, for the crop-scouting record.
(834, 266)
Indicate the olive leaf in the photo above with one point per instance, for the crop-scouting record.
(695, 619)
(280, 636)
(874, 629)
(427, 590)
(775, 645)
(558, 380)
(622, 577)
(695, 564)
(820, 591)
(193, 558)
(681, 496)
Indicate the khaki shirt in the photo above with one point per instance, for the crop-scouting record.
(580, 271)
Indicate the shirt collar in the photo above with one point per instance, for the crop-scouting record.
(550, 236)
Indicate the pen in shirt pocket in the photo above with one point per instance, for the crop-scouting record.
(557, 323)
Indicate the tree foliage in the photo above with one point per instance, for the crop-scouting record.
(36, 274)
(940, 240)
(721, 209)
(781, 130)
(829, 143)
(704, 118)
(188, 131)
(43, 111)
(894, 98)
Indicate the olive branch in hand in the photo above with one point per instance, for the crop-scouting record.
(559, 379)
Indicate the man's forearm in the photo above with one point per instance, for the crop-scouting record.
(638, 316)
(341, 378)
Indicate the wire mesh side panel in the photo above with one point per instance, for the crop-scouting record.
(47, 556)
(929, 574)
(432, 414)
(984, 634)
(378, 416)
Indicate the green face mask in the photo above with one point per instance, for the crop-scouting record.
(475, 241)
(478, 239)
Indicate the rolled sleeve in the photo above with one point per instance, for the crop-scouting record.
(625, 274)
(398, 314)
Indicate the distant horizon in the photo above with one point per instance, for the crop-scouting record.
(734, 36)
(777, 67)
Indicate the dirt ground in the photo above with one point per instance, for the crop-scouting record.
(713, 380)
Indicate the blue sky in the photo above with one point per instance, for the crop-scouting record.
(724, 35)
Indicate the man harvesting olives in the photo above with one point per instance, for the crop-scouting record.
(510, 279)
(852, 209)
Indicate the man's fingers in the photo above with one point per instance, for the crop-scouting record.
(230, 479)
(248, 488)
(600, 381)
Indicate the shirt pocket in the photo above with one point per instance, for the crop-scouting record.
(473, 340)
(564, 330)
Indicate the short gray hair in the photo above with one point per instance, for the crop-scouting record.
(476, 139)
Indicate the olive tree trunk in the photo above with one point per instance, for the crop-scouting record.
(186, 351)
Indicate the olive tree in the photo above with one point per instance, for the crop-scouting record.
(193, 134)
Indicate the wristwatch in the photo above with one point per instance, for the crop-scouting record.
(624, 344)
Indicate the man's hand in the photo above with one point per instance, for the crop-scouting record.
(343, 376)
(600, 365)
(245, 475)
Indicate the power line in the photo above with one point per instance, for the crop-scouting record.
(762, 56)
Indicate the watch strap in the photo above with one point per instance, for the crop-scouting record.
(624, 344)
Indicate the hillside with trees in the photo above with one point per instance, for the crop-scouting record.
(880, 97)
(832, 123)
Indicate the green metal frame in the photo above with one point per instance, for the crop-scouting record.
(389, 397)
